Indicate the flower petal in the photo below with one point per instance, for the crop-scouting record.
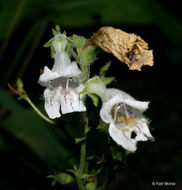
(122, 138)
(72, 103)
(77, 103)
(62, 61)
(66, 106)
(127, 99)
(145, 130)
(115, 97)
(47, 76)
(52, 104)
(72, 70)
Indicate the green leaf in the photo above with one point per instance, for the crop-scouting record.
(78, 140)
(90, 186)
(116, 152)
(107, 80)
(88, 55)
(102, 127)
(98, 171)
(49, 43)
(91, 157)
(85, 176)
(64, 178)
(20, 51)
(95, 99)
(79, 41)
(102, 73)
(32, 131)
(53, 182)
(104, 69)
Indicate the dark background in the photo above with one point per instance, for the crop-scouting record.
(30, 149)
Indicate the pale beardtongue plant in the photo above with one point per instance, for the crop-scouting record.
(68, 83)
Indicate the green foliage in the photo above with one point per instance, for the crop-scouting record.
(116, 153)
(31, 131)
(95, 99)
(62, 178)
(90, 186)
(102, 73)
(107, 80)
(49, 43)
(86, 176)
(78, 140)
(104, 69)
(25, 17)
(86, 55)
(102, 127)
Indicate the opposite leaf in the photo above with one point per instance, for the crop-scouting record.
(87, 55)
(104, 69)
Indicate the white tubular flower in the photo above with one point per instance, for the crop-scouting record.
(62, 87)
(124, 114)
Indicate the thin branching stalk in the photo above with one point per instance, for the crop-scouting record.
(38, 111)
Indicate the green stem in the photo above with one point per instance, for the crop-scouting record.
(82, 157)
(83, 145)
(37, 110)
(82, 154)
(79, 182)
(87, 72)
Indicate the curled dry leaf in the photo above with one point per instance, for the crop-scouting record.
(128, 48)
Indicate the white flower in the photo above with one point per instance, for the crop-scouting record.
(62, 86)
(124, 114)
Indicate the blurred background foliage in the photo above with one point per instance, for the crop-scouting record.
(31, 149)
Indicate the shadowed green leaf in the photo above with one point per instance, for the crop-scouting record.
(31, 131)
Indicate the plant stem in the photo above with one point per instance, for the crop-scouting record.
(79, 182)
(82, 154)
(82, 157)
(87, 72)
(38, 111)
(83, 145)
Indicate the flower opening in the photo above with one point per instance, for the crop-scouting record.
(62, 87)
(127, 125)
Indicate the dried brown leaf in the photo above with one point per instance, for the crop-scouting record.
(128, 48)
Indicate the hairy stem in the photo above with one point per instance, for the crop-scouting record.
(82, 154)
(83, 145)
(80, 183)
(82, 157)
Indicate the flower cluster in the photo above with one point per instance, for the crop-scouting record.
(68, 83)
